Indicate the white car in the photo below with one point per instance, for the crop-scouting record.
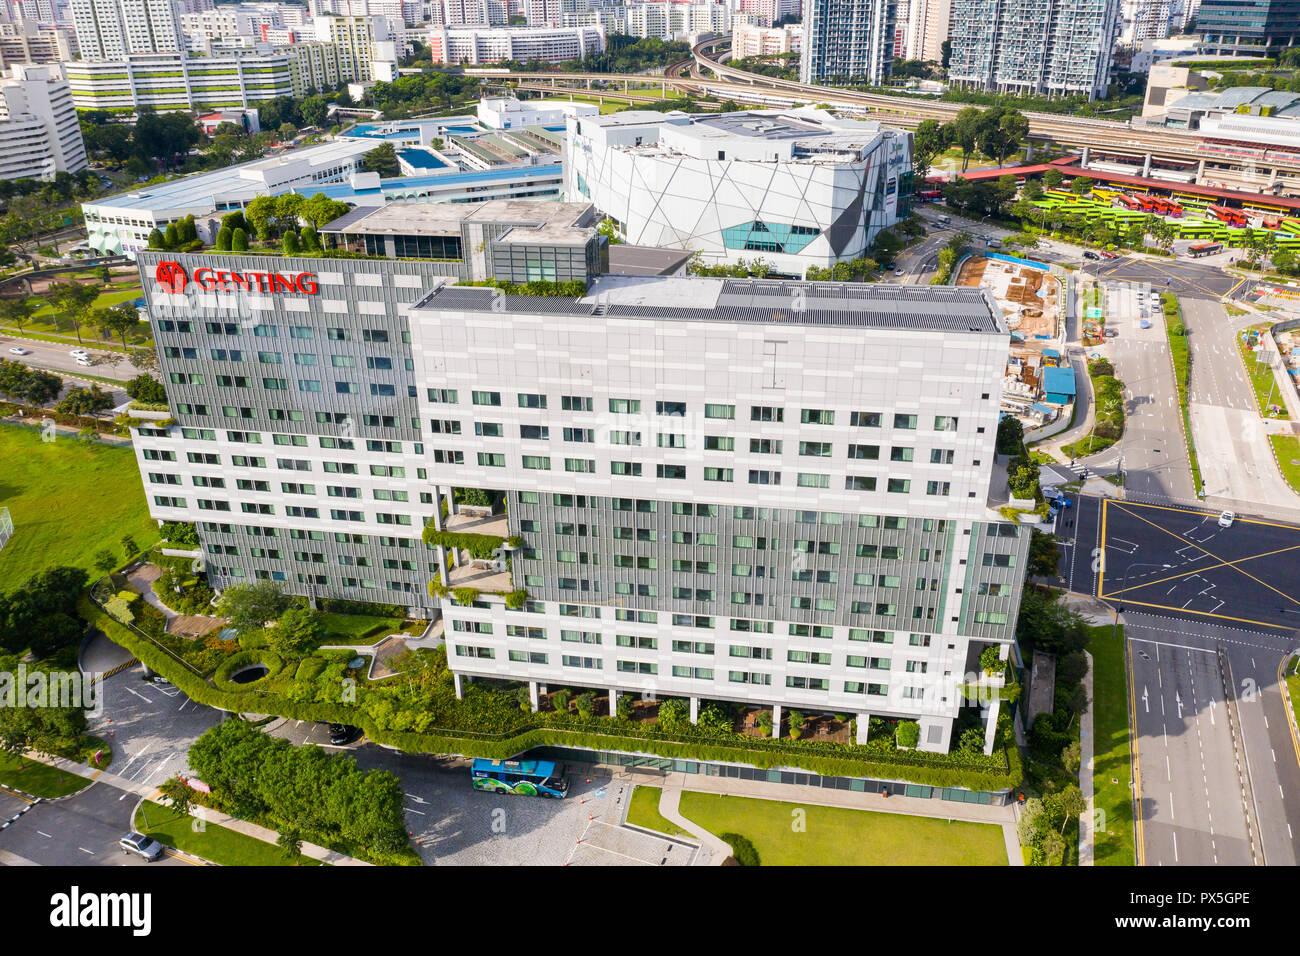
(1226, 519)
(79, 353)
(898, 272)
(18, 350)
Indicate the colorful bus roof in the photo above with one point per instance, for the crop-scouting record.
(528, 768)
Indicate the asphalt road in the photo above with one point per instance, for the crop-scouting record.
(1215, 787)
(55, 358)
(1154, 461)
(1183, 277)
(1232, 446)
(81, 830)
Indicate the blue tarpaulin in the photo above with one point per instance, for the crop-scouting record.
(1058, 384)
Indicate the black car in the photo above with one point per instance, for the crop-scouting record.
(341, 734)
(1089, 254)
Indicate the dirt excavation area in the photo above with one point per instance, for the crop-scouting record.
(1030, 298)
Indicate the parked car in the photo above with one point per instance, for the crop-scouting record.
(18, 350)
(142, 846)
(341, 734)
(1111, 333)
(898, 272)
(1089, 254)
(1226, 519)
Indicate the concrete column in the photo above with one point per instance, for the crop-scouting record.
(695, 710)
(1087, 154)
(459, 689)
(532, 695)
(991, 729)
(1146, 165)
(439, 550)
(776, 721)
(1200, 170)
(613, 702)
(863, 726)
(452, 508)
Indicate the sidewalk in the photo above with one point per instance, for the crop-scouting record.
(1004, 817)
(669, 800)
(211, 816)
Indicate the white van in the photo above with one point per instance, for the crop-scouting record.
(945, 219)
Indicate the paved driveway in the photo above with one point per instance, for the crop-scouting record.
(150, 726)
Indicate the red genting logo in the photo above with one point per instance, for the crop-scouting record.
(171, 276)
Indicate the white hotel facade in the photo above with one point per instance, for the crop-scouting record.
(766, 492)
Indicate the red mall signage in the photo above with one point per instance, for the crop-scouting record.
(173, 278)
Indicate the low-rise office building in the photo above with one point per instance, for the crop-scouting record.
(121, 224)
(506, 112)
(795, 187)
(475, 46)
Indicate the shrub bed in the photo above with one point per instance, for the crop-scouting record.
(423, 716)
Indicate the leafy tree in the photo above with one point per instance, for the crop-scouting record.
(234, 220)
(260, 214)
(298, 631)
(290, 841)
(674, 715)
(288, 131)
(178, 794)
(1054, 848)
(239, 241)
(1052, 178)
(129, 546)
(28, 385)
(156, 240)
(171, 237)
(310, 239)
(382, 160)
(83, 401)
(586, 704)
(1071, 804)
(289, 244)
(105, 560)
(248, 607)
(18, 311)
(121, 319)
(223, 239)
(1044, 556)
(42, 613)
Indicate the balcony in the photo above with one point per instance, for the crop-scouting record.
(496, 526)
(481, 575)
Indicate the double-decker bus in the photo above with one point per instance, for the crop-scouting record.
(929, 195)
(528, 778)
(1205, 249)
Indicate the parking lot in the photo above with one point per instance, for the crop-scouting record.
(150, 726)
(1179, 560)
(453, 824)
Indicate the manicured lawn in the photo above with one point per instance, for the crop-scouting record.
(38, 779)
(643, 810)
(215, 844)
(68, 500)
(834, 836)
(43, 319)
(1287, 449)
(1114, 846)
(354, 628)
(1261, 379)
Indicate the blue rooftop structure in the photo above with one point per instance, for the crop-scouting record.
(1058, 384)
(453, 181)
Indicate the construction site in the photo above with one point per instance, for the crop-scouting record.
(1030, 298)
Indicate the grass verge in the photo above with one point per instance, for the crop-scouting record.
(790, 834)
(1260, 376)
(214, 843)
(69, 500)
(1181, 356)
(1111, 766)
(643, 811)
(38, 779)
(1287, 450)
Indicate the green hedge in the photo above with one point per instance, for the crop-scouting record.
(978, 772)
(478, 545)
(238, 661)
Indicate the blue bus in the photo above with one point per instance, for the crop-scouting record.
(529, 778)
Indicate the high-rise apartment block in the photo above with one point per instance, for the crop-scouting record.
(39, 131)
(112, 29)
(847, 40)
(1038, 47)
